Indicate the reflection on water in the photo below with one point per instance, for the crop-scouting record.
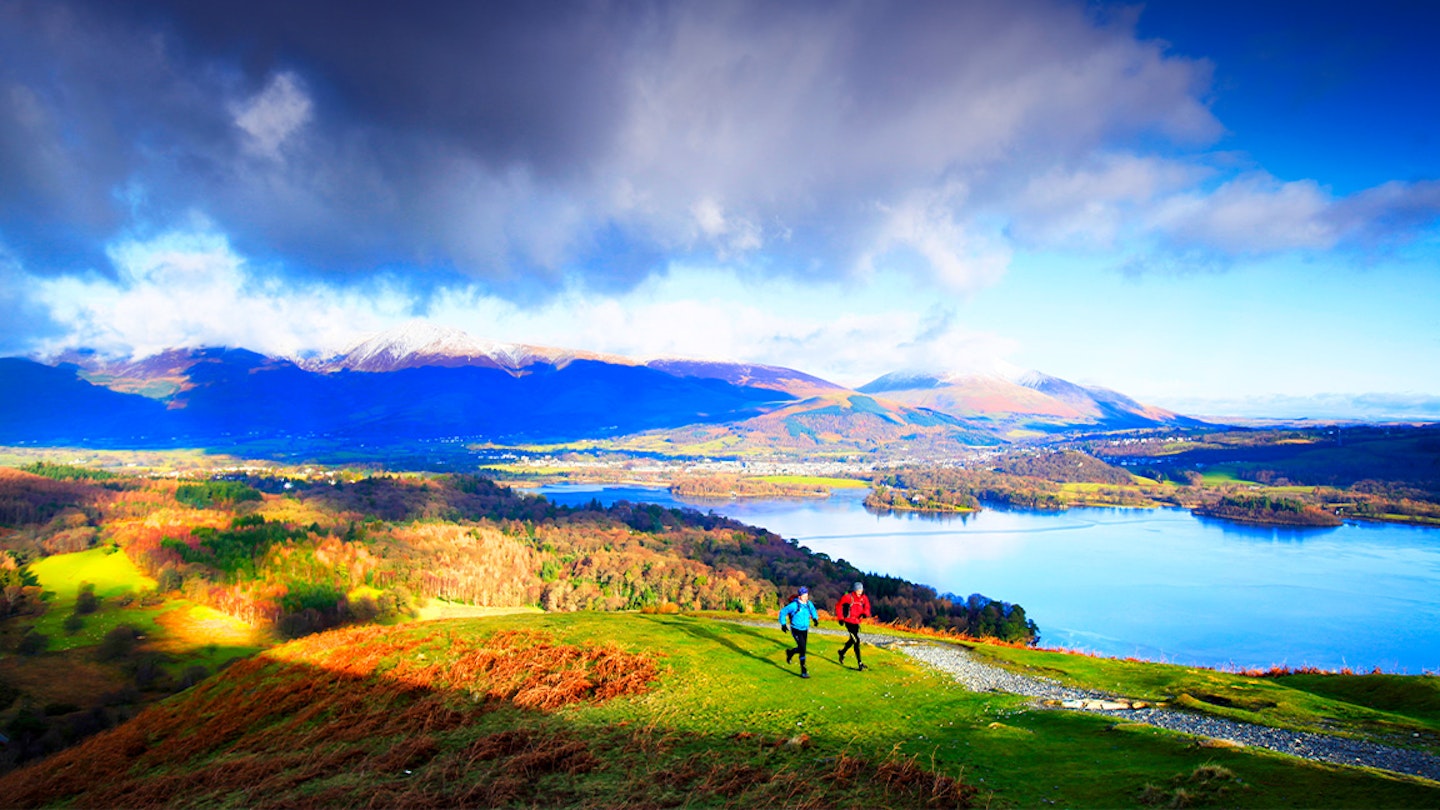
(1152, 583)
(924, 517)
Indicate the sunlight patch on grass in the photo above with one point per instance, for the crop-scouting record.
(190, 626)
(110, 571)
(1220, 476)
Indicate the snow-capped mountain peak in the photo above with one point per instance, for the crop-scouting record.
(420, 342)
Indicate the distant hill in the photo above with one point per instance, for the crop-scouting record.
(1028, 401)
(837, 422)
(53, 405)
(775, 378)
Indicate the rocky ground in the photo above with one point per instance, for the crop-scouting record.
(979, 676)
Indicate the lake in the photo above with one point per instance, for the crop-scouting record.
(1158, 584)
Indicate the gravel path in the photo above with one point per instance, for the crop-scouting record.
(978, 676)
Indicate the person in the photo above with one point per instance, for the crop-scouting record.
(853, 608)
(799, 613)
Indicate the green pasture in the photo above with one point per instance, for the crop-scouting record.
(107, 568)
(113, 575)
(1222, 475)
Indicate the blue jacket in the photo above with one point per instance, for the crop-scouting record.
(800, 615)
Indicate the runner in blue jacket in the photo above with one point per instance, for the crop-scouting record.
(799, 613)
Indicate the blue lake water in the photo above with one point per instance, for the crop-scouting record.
(1158, 584)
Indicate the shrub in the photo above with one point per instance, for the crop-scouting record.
(118, 643)
(86, 601)
(146, 672)
(32, 643)
(169, 579)
(193, 675)
(72, 624)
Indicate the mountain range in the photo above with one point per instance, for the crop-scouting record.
(425, 382)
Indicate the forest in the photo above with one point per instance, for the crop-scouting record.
(300, 555)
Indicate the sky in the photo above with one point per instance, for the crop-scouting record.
(1225, 208)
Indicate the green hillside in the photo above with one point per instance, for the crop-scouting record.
(648, 710)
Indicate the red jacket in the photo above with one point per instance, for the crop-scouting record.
(853, 608)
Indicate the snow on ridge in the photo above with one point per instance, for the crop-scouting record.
(994, 368)
(419, 340)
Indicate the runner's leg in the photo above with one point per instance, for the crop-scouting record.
(855, 639)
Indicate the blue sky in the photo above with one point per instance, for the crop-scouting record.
(1220, 207)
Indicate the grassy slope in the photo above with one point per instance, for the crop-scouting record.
(713, 731)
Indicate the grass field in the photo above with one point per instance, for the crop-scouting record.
(1221, 475)
(113, 575)
(448, 712)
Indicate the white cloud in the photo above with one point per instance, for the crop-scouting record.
(1095, 205)
(1255, 213)
(192, 290)
(1258, 213)
(956, 254)
(848, 333)
(274, 114)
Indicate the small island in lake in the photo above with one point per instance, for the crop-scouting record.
(883, 498)
(1269, 511)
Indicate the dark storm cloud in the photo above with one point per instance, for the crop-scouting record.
(430, 132)
(516, 143)
(519, 142)
(535, 83)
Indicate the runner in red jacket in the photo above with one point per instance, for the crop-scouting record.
(853, 608)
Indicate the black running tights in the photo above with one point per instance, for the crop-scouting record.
(854, 641)
(801, 636)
